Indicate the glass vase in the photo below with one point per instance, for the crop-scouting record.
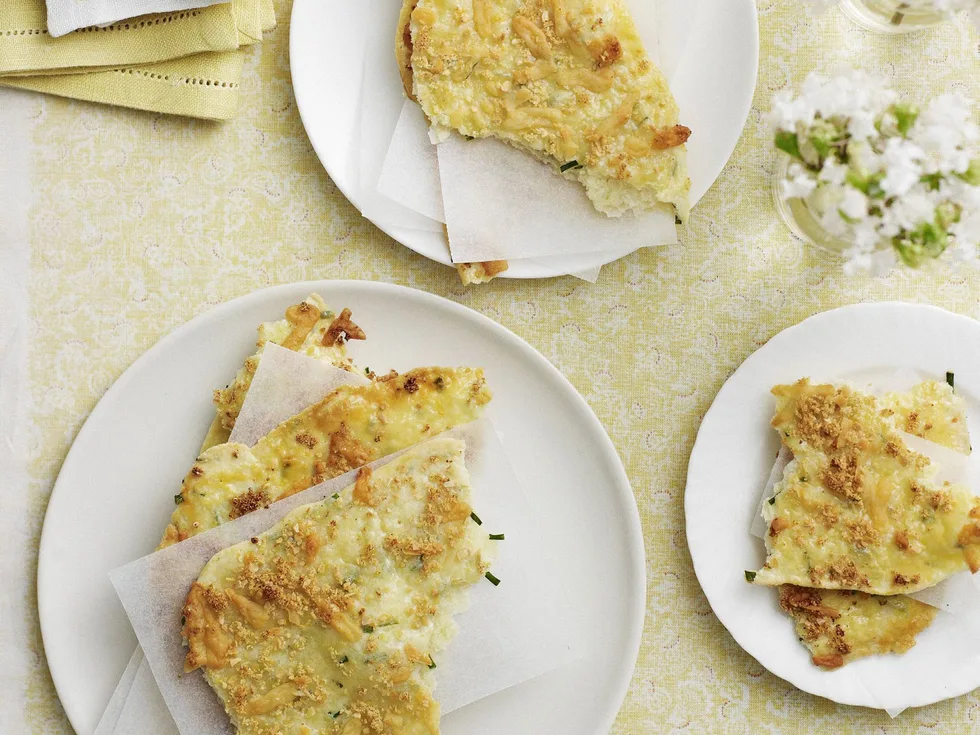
(799, 216)
(892, 16)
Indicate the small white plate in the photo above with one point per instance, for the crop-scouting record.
(734, 454)
(115, 494)
(713, 86)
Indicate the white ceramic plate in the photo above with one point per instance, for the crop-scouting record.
(713, 86)
(734, 454)
(115, 494)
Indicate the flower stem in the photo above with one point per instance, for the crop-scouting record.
(899, 15)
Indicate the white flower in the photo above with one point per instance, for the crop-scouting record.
(943, 130)
(866, 234)
(799, 183)
(857, 262)
(901, 160)
(789, 111)
(967, 230)
(854, 204)
(833, 173)
(875, 172)
(912, 210)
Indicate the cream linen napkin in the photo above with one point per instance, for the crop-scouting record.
(65, 16)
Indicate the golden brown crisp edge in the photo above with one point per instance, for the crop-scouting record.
(403, 46)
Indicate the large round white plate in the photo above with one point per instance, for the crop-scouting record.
(713, 85)
(115, 494)
(734, 454)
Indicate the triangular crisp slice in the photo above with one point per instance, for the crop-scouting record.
(839, 626)
(352, 426)
(857, 509)
(565, 80)
(308, 327)
(331, 621)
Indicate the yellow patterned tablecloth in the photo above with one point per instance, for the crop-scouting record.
(140, 222)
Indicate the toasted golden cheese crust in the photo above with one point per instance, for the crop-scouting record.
(566, 80)
(352, 426)
(331, 621)
(309, 328)
(839, 626)
(856, 508)
(481, 272)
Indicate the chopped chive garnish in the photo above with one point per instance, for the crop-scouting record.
(183, 621)
(343, 660)
(178, 498)
(469, 137)
(570, 165)
(772, 500)
(335, 715)
(749, 576)
(476, 518)
(949, 378)
(335, 496)
(493, 580)
(367, 371)
(496, 537)
(367, 628)
(432, 665)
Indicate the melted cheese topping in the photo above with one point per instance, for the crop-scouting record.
(330, 621)
(566, 80)
(308, 327)
(856, 508)
(930, 410)
(352, 426)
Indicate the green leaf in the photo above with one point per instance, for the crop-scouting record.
(905, 117)
(972, 174)
(788, 142)
(933, 181)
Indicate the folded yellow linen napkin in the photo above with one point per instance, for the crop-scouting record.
(26, 46)
(203, 85)
(194, 68)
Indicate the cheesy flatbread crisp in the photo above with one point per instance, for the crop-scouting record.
(309, 328)
(856, 508)
(352, 426)
(331, 621)
(840, 626)
(565, 80)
